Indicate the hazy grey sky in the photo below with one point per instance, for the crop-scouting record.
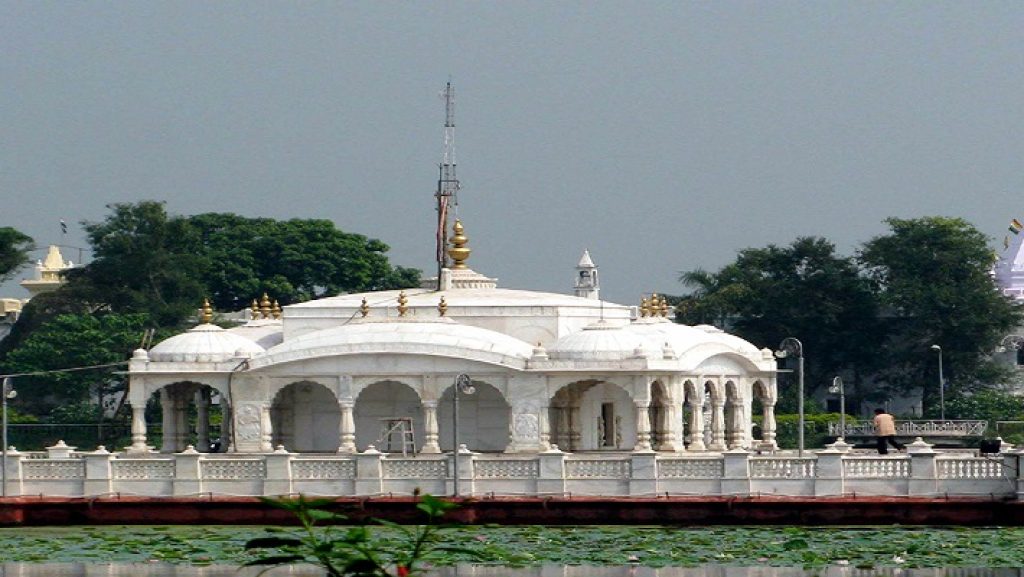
(663, 136)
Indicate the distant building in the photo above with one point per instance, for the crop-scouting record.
(49, 273)
(47, 278)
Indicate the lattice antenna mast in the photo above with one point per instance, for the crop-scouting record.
(447, 183)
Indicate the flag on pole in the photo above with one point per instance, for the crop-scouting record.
(1016, 226)
(63, 227)
(442, 224)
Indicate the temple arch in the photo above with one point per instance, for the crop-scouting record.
(190, 413)
(483, 419)
(379, 404)
(305, 417)
(764, 401)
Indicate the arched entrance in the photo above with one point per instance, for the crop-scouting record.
(305, 417)
(190, 414)
(380, 403)
(483, 419)
(764, 405)
(593, 416)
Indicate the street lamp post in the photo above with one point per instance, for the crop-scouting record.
(8, 393)
(793, 346)
(838, 388)
(942, 386)
(463, 384)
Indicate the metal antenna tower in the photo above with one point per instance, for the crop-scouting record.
(447, 183)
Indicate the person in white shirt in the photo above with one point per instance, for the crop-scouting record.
(885, 426)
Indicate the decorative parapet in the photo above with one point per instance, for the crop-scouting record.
(830, 472)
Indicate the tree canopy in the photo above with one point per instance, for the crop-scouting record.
(803, 290)
(872, 317)
(933, 275)
(14, 249)
(152, 270)
(74, 340)
(148, 261)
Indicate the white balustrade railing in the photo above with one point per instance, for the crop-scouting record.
(597, 469)
(323, 469)
(143, 469)
(832, 472)
(695, 468)
(415, 468)
(971, 468)
(774, 468)
(53, 469)
(506, 468)
(876, 468)
(233, 469)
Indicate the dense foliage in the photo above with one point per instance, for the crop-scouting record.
(873, 317)
(152, 270)
(14, 249)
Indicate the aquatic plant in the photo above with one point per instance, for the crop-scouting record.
(351, 551)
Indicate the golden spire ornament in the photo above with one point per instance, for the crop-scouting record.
(645, 309)
(442, 307)
(403, 302)
(254, 310)
(459, 252)
(664, 307)
(265, 306)
(207, 316)
(364, 308)
(275, 310)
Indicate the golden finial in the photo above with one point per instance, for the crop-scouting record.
(645, 308)
(276, 310)
(254, 310)
(442, 307)
(459, 251)
(403, 302)
(265, 306)
(207, 315)
(664, 307)
(364, 308)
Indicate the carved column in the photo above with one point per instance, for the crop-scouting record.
(768, 424)
(346, 428)
(168, 422)
(717, 425)
(266, 429)
(564, 436)
(643, 426)
(734, 427)
(139, 429)
(697, 424)
(575, 425)
(181, 423)
(430, 429)
(545, 428)
(202, 398)
(670, 425)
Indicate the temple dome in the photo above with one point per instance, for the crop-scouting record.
(603, 341)
(409, 335)
(648, 338)
(205, 343)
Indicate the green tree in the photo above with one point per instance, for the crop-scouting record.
(140, 265)
(933, 276)
(162, 265)
(804, 290)
(293, 261)
(74, 340)
(14, 249)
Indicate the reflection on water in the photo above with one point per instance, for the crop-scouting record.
(167, 570)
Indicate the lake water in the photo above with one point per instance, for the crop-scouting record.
(170, 570)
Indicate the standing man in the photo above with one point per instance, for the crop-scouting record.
(886, 431)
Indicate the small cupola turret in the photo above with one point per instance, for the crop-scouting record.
(587, 285)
